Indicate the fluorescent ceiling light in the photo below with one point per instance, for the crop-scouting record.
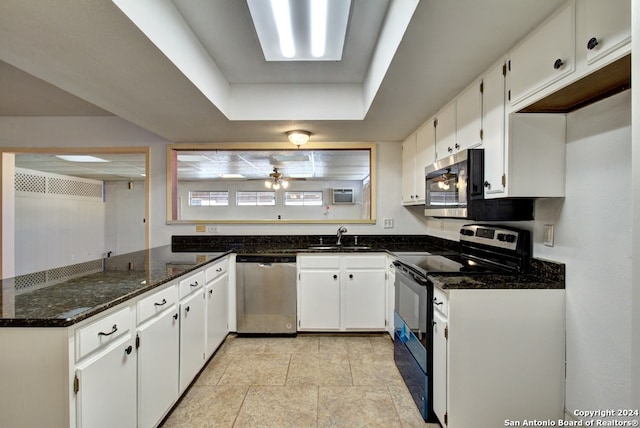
(301, 175)
(191, 158)
(81, 158)
(232, 176)
(301, 30)
(318, 18)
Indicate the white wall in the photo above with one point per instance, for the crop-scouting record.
(125, 217)
(592, 237)
(54, 229)
(635, 226)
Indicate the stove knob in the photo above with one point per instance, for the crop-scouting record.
(466, 232)
(501, 237)
(511, 238)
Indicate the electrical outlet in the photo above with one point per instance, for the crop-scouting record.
(547, 235)
(388, 223)
(213, 229)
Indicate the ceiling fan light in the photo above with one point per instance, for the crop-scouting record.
(298, 137)
(268, 184)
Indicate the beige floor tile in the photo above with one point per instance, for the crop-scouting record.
(319, 369)
(382, 344)
(407, 409)
(214, 370)
(208, 406)
(302, 344)
(374, 369)
(278, 406)
(357, 406)
(243, 345)
(344, 344)
(256, 369)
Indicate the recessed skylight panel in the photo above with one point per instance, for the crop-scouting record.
(301, 30)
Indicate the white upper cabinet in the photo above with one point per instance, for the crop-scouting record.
(418, 151)
(607, 27)
(425, 154)
(493, 116)
(468, 117)
(409, 195)
(545, 56)
(446, 131)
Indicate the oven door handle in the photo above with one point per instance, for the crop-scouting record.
(402, 270)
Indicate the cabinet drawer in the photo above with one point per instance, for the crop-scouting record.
(102, 332)
(440, 301)
(319, 262)
(366, 262)
(217, 269)
(156, 303)
(191, 283)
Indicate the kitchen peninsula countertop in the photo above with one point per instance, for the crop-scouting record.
(28, 301)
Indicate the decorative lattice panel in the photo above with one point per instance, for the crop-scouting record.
(37, 280)
(26, 281)
(62, 186)
(74, 270)
(30, 183)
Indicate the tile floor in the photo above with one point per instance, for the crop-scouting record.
(308, 381)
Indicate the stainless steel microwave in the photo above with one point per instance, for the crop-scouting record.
(455, 189)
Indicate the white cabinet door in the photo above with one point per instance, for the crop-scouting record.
(192, 331)
(545, 57)
(217, 300)
(319, 300)
(493, 120)
(608, 27)
(409, 195)
(364, 299)
(106, 387)
(158, 367)
(446, 131)
(439, 366)
(425, 155)
(468, 117)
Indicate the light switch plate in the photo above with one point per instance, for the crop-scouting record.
(547, 238)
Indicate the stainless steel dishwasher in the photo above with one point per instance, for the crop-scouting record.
(266, 294)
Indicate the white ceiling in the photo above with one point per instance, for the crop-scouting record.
(60, 52)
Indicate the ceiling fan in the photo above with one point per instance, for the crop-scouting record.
(276, 180)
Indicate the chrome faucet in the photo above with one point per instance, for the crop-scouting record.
(341, 230)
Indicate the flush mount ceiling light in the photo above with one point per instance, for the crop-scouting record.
(298, 137)
(301, 30)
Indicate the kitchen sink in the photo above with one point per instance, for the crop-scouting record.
(339, 247)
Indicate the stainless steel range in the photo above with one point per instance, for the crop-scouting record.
(484, 249)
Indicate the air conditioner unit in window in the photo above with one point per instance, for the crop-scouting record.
(342, 196)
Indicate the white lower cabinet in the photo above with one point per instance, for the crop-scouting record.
(158, 362)
(319, 299)
(342, 292)
(217, 302)
(364, 294)
(125, 367)
(106, 387)
(498, 355)
(440, 352)
(192, 337)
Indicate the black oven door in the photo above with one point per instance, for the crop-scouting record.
(412, 298)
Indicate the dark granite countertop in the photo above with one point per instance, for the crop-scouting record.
(35, 300)
(492, 282)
